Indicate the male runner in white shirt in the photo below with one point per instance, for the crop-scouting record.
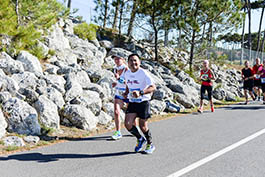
(139, 89)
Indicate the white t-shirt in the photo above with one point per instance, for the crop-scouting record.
(121, 87)
(138, 80)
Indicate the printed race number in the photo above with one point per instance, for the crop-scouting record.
(205, 77)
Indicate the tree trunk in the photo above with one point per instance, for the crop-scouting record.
(105, 13)
(260, 23)
(203, 31)
(249, 28)
(133, 13)
(166, 37)
(242, 41)
(17, 12)
(121, 13)
(156, 43)
(117, 9)
(210, 35)
(180, 39)
(192, 49)
(69, 4)
(155, 30)
(193, 38)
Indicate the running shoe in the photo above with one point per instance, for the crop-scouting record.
(263, 102)
(212, 109)
(200, 110)
(259, 98)
(149, 149)
(139, 145)
(117, 135)
(246, 103)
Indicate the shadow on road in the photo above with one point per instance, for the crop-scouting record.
(94, 138)
(244, 107)
(42, 158)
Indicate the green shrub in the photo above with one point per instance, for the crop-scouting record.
(51, 52)
(38, 52)
(218, 86)
(11, 148)
(85, 31)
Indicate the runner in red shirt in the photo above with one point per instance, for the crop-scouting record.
(261, 72)
(206, 76)
(257, 81)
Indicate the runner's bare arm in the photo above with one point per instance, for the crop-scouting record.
(213, 75)
(149, 89)
(242, 75)
(125, 94)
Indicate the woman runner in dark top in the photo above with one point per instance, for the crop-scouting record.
(247, 76)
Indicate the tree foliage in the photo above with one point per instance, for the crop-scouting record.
(35, 16)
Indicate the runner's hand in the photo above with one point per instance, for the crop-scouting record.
(117, 76)
(114, 84)
(125, 95)
(136, 94)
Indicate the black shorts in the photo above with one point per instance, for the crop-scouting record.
(209, 91)
(257, 83)
(248, 85)
(142, 109)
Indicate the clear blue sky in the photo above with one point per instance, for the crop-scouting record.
(86, 10)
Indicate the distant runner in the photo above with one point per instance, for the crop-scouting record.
(120, 87)
(247, 76)
(206, 77)
(257, 81)
(139, 89)
(261, 71)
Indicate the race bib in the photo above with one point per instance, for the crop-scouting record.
(205, 77)
(120, 92)
(263, 80)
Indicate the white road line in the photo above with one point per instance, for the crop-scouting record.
(217, 154)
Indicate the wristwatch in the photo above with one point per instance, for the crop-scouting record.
(141, 92)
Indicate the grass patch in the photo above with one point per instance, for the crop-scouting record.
(85, 31)
(11, 148)
(43, 143)
(47, 131)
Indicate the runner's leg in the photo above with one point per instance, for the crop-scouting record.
(202, 95)
(144, 128)
(118, 104)
(129, 124)
(246, 95)
(210, 91)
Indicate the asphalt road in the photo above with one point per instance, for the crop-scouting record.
(183, 144)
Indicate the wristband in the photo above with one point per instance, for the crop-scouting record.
(141, 92)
